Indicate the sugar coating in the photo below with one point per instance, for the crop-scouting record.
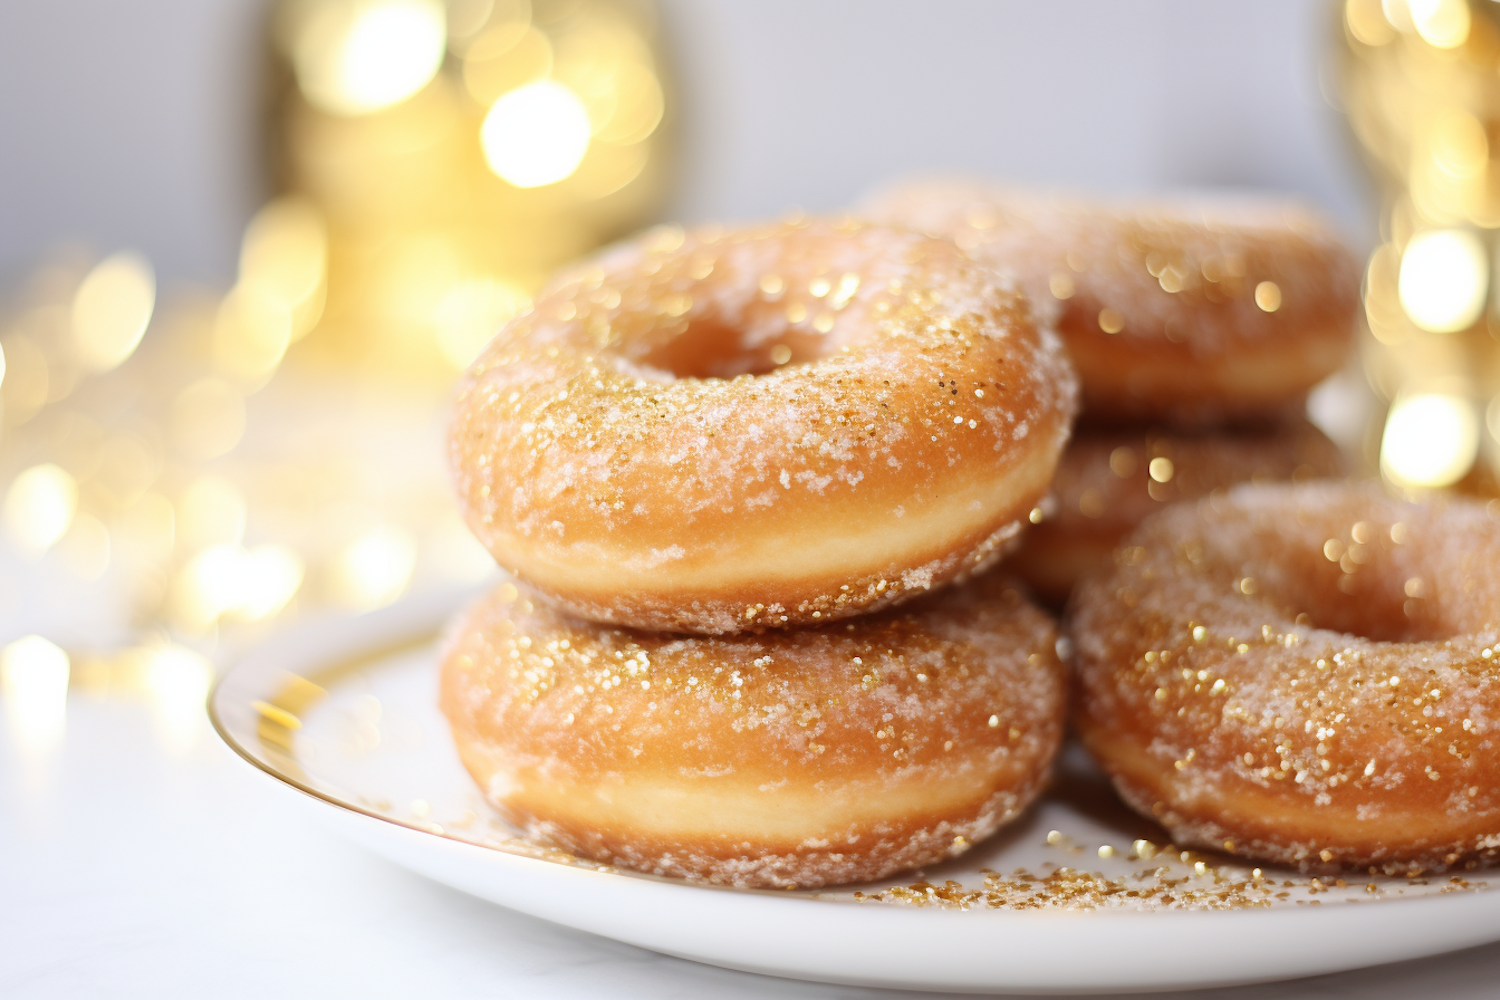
(963, 686)
(1110, 478)
(1147, 293)
(713, 388)
(1322, 647)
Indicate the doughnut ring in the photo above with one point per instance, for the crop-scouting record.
(1303, 674)
(834, 754)
(733, 430)
(1110, 478)
(1189, 312)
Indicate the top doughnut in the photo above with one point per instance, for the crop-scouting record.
(1192, 312)
(731, 430)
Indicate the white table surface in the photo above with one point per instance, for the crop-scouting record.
(135, 866)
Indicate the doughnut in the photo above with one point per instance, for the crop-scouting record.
(1110, 478)
(721, 431)
(1305, 674)
(833, 754)
(1191, 312)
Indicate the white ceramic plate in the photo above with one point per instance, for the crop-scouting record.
(342, 717)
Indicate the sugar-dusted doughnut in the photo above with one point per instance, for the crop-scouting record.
(730, 430)
(1306, 674)
(1112, 477)
(805, 757)
(1184, 311)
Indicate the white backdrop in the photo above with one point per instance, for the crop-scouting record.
(136, 124)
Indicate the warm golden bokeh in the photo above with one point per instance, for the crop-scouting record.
(1421, 83)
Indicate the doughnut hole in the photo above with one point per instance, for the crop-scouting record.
(1382, 594)
(710, 347)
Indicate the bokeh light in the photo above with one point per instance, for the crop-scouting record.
(177, 681)
(1443, 24)
(34, 679)
(1430, 440)
(536, 135)
(374, 570)
(472, 313)
(1444, 279)
(39, 506)
(112, 309)
(284, 258)
(355, 57)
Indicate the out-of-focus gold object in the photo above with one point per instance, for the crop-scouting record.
(1421, 83)
(439, 159)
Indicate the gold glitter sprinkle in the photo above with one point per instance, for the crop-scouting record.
(1268, 296)
(1106, 851)
(772, 284)
(819, 287)
(994, 722)
(781, 354)
(1161, 469)
(1110, 320)
(848, 285)
(1054, 837)
(1036, 515)
(796, 312)
(1062, 286)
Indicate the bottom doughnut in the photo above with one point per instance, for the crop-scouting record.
(1110, 478)
(798, 758)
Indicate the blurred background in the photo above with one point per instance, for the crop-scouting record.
(247, 246)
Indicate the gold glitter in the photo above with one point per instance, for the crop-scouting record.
(819, 287)
(994, 722)
(1106, 851)
(781, 354)
(772, 284)
(796, 312)
(1110, 320)
(1268, 296)
(1036, 515)
(1062, 286)
(823, 323)
(1160, 469)
(848, 285)
(1054, 837)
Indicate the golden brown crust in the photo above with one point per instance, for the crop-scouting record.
(1187, 312)
(1303, 674)
(714, 432)
(833, 754)
(1106, 484)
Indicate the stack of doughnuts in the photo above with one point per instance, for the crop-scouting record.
(746, 486)
(1197, 331)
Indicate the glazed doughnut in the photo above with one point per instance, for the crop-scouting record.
(807, 757)
(723, 431)
(1188, 312)
(1303, 674)
(1111, 478)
